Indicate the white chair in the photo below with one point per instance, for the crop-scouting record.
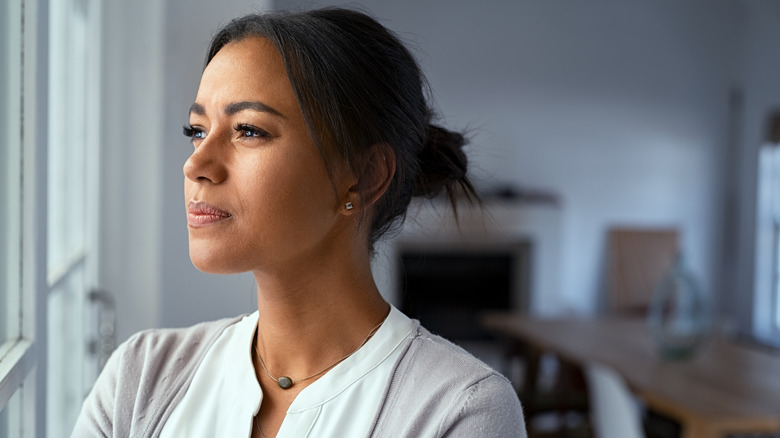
(613, 410)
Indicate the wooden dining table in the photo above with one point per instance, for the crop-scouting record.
(724, 388)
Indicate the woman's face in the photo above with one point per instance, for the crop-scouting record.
(257, 192)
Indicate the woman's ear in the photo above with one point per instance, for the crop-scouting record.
(373, 179)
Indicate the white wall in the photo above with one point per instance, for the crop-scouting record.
(621, 108)
(131, 132)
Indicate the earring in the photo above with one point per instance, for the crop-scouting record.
(348, 206)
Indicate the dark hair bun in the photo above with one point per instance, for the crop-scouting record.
(443, 165)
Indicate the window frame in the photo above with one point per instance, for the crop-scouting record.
(23, 365)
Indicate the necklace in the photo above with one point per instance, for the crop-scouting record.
(285, 382)
(257, 424)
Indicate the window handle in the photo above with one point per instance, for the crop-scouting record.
(105, 343)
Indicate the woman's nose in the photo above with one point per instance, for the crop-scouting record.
(207, 162)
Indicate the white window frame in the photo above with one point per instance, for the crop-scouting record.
(75, 343)
(22, 363)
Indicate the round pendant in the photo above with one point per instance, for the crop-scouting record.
(284, 382)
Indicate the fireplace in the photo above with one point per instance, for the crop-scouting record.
(446, 287)
(501, 256)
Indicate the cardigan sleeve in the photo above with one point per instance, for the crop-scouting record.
(144, 379)
(489, 408)
(98, 417)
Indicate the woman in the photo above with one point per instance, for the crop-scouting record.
(311, 135)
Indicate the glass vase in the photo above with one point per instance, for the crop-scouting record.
(678, 317)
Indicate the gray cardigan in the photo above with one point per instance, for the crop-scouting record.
(436, 390)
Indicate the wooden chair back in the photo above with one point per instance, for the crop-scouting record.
(638, 260)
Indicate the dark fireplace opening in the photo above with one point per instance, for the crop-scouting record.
(447, 290)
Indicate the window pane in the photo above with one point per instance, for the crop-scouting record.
(766, 305)
(67, 359)
(67, 136)
(5, 238)
(776, 277)
(72, 326)
(10, 140)
(775, 220)
(10, 416)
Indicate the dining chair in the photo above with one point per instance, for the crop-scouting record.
(613, 411)
(637, 260)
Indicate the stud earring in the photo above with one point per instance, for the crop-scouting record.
(349, 206)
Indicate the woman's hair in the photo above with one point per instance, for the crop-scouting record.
(358, 87)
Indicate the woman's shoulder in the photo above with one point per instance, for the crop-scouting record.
(152, 366)
(439, 389)
(167, 356)
(171, 342)
(436, 350)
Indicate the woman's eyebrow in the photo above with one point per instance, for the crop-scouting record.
(233, 108)
(198, 109)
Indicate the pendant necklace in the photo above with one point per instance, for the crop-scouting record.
(285, 382)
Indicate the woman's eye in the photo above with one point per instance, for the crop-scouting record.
(249, 131)
(193, 133)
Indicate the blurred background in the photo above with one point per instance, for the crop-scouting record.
(584, 118)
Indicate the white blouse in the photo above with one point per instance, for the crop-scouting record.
(224, 395)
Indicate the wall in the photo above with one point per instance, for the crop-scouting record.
(620, 108)
(131, 132)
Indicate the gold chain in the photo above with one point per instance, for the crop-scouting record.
(257, 425)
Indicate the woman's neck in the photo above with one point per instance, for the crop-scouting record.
(310, 318)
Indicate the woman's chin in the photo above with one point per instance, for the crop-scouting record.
(211, 269)
(213, 263)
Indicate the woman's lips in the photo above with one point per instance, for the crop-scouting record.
(200, 214)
